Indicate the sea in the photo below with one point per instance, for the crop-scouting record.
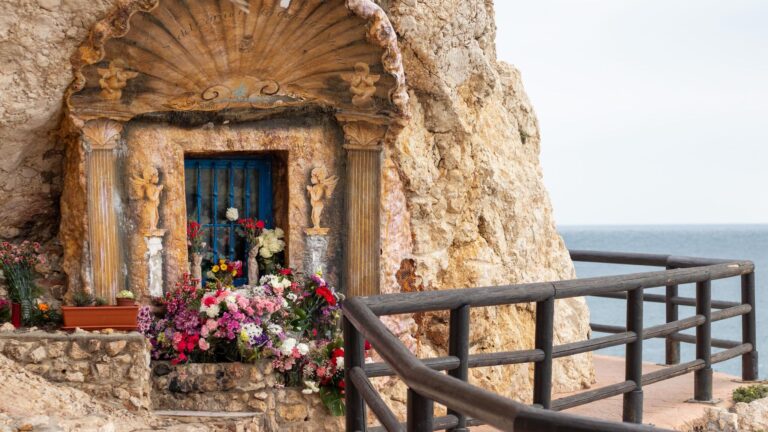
(749, 242)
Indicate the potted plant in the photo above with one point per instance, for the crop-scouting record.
(125, 298)
(18, 265)
(196, 246)
(87, 314)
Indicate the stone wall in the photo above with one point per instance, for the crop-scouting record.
(242, 388)
(113, 367)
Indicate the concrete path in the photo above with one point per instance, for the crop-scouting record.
(665, 402)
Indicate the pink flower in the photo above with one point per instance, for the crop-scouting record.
(203, 344)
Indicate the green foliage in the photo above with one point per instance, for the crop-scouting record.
(333, 400)
(750, 393)
(43, 315)
(101, 301)
(82, 299)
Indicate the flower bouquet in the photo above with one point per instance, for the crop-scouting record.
(18, 265)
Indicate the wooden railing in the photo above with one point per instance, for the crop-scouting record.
(469, 405)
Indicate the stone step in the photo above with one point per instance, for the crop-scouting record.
(207, 414)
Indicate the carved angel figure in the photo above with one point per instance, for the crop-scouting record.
(322, 188)
(146, 188)
(114, 79)
(362, 85)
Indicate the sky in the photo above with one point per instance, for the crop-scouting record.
(651, 111)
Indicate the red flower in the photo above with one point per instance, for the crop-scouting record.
(286, 272)
(342, 384)
(338, 352)
(260, 224)
(327, 295)
(367, 345)
(209, 301)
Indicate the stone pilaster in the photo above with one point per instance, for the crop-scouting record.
(363, 143)
(100, 138)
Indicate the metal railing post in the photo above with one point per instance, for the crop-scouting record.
(354, 355)
(749, 365)
(421, 412)
(633, 400)
(542, 370)
(702, 378)
(458, 346)
(672, 347)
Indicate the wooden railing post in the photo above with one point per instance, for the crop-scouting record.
(458, 346)
(672, 351)
(749, 368)
(633, 400)
(542, 370)
(421, 412)
(702, 378)
(354, 356)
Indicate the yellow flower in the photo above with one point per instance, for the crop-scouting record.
(43, 307)
(234, 272)
(224, 267)
(215, 269)
(222, 261)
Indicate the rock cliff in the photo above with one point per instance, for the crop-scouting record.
(463, 194)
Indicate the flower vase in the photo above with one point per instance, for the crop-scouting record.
(16, 314)
(253, 266)
(197, 266)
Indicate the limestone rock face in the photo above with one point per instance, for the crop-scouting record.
(464, 203)
(470, 179)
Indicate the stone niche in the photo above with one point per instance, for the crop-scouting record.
(296, 143)
(159, 81)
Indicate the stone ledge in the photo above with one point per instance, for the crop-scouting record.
(75, 336)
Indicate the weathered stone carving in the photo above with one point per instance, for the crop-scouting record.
(146, 188)
(362, 85)
(102, 134)
(114, 79)
(360, 135)
(321, 189)
(185, 53)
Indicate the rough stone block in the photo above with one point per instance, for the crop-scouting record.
(115, 347)
(292, 413)
(17, 350)
(78, 353)
(37, 355)
(56, 349)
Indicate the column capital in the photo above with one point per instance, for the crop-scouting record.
(101, 134)
(363, 136)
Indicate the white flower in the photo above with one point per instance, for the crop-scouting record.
(288, 345)
(213, 311)
(310, 387)
(274, 329)
(232, 214)
(292, 296)
(303, 348)
(271, 242)
(339, 362)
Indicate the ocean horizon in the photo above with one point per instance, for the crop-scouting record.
(728, 241)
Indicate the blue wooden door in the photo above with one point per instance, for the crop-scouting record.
(213, 186)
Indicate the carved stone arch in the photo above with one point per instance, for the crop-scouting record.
(165, 56)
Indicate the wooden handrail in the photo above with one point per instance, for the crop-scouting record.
(470, 405)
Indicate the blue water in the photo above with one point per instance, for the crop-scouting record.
(711, 241)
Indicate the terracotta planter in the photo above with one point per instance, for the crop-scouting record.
(101, 317)
(16, 314)
(126, 302)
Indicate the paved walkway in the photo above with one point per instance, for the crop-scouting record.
(665, 402)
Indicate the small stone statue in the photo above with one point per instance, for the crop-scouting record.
(147, 189)
(114, 79)
(362, 85)
(322, 188)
